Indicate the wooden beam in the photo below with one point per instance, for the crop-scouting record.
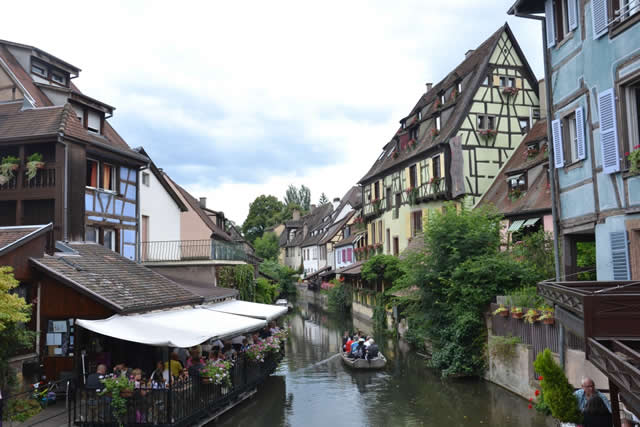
(615, 404)
(618, 346)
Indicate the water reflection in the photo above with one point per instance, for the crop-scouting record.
(313, 388)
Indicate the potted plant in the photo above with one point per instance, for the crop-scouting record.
(501, 311)
(434, 132)
(634, 160)
(531, 316)
(216, 372)
(516, 312)
(488, 133)
(34, 162)
(119, 388)
(395, 154)
(547, 316)
(8, 166)
(515, 194)
(510, 91)
(412, 195)
(435, 184)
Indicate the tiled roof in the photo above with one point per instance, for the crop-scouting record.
(416, 244)
(16, 123)
(538, 195)
(14, 237)
(471, 70)
(314, 222)
(117, 282)
(336, 227)
(349, 240)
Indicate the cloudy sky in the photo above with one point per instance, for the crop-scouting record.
(237, 99)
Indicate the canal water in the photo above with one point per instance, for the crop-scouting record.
(312, 387)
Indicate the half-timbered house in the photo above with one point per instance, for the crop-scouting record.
(63, 162)
(452, 143)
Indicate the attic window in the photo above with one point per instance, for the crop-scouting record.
(459, 87)
(507, 82)
(419, 115)
(517, 182)
(442, 100)
(437, 120)
(404, 125)
(414, 133)
(36, 69)
(58, 78)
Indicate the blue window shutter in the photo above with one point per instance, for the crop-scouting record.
(551, 23)
(580, 125)
(620, 255)
(600, 16)
(573, 14)
(608, 131)
(558, 154)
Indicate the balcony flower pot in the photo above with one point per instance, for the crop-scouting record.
(547, 316)
(531, 316)
(8, 166)
(501, 311)
(34, 162)
(516, 313)
(510, 91)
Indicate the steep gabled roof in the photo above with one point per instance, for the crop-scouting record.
(115, 281)
(194, 205)
(336, 227)
(163, 181)
(317, 221)
(537, 198)
(9, 61)
(473, 70)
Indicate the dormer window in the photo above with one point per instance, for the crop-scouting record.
(419, 115)
(459, 87)
(442, 98)
(58, 78)
(486, 122)
(437, 120)
(404, 124)
(36, 69)
(517, 183)
(414, 133)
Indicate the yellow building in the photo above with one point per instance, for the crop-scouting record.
(453, 143)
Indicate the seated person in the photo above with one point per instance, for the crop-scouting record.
(596, 414)
(121, 370)
(354, 348)
(360, 350)
(347, 346)
(372, 350)
(175, 365)
(195, 358)
(158, 378)
(589, 389)
(94, 380)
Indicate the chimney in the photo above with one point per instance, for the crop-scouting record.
(336, 202)
(469, 52)
(295, 214)
(313, 208)
(203, 202)
(429, 86)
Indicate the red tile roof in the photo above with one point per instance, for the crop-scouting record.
(23, 77)
(13, 237)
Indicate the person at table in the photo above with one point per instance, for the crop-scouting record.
(596, 414)
(195, 358)
(589, 389)
(94, 380)
(158, 379)
(174, 364)
(121, 370)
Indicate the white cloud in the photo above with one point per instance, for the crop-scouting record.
(341, 74)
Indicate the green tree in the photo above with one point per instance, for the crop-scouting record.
(381, 269)
(300, 197)
(266, 292)
(323, 200)
(285, 277)
(14, 312)
(557, 392)
(537, 249)
(267, 246)
(264, 212)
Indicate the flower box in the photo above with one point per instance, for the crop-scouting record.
(510, 91)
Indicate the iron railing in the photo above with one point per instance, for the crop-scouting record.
(425, 192)
(192, 250)
(183, 403)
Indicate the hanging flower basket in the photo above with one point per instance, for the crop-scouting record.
(434, 132)
(510, 91)
(8, 166)
(634, 160)
(487, 134)
(34, 162)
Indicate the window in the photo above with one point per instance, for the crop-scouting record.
(436, 166)
(459, 88)
(349, 254)
(58, 78)
(442, 100)
(419, 115)
(376, 190)
(414, 133)
(631, 106)
(388, 197)
(91, 234)
(396, 211)
(109, 240)
(486, 122)
(145, 179)
(624, 9)
(571, 137)
(396, 246)
(413, 176)
(404, 124)
(437, 120)
(524, 124)
(380, 231)
(507, 81)
(424, 171)
(37, 69)
(416, 223)
(517, 182)
(373, 233)
(347, 231)
(108, 177)
(94, 121)
(92, 173)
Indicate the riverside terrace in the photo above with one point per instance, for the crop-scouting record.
(193, 396)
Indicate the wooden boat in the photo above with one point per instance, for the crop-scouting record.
(377, 363)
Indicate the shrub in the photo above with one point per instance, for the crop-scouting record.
(339, 297)
(526, 296)
(266, 292)
(556, 390)
(503, 348)
(21, 409)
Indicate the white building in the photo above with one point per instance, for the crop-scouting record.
(160, 208)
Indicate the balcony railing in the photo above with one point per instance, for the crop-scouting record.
(192, 250)
(426, 192)
(183, 403)
(45, 178)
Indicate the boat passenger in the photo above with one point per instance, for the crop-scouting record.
(354, 345)
(347, 345)
(372, 350)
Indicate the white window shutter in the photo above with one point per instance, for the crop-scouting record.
(573, 14)
(580, 125)
(558, 154)
(620, 255)
(600, 16)
(551, 23)
(608, 131)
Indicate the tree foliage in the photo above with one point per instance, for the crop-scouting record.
(537, 250)
(458, 274)
(267, 246)
(266, 292)
(339, 299)
(285, 277)
(298, 196)
(381, 268)
(14, 311)
(323, 199)
(238, 277)
(264, 212)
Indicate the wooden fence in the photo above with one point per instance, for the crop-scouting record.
(538, 335)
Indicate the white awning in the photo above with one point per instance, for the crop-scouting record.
(249, 309)
(184, 327)
(516, 225)
(531, 222)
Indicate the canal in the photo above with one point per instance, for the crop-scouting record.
(313, 388)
